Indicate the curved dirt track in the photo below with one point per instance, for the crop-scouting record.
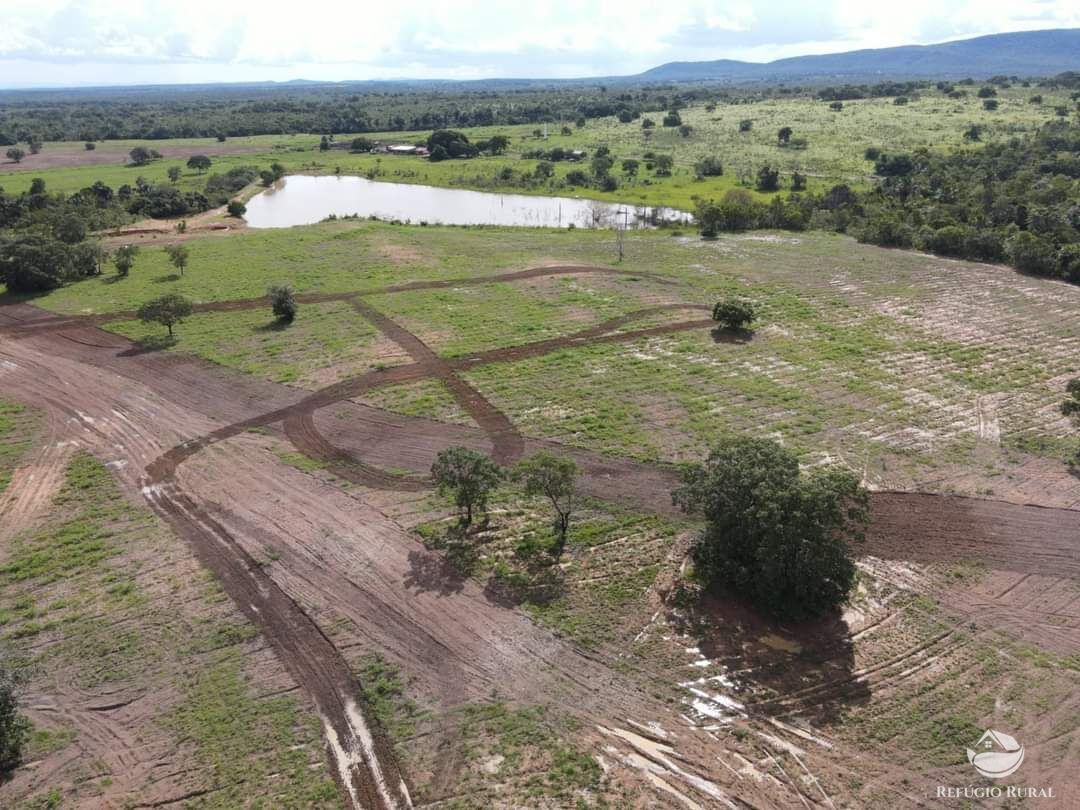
(184, 422)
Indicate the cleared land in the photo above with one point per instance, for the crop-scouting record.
(292, 461)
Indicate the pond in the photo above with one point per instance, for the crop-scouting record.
(303, 200)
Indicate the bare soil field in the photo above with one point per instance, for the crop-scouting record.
(67, 155)
(677, 706)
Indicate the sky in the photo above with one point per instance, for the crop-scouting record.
(115, 42)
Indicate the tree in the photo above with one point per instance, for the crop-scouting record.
(439, 153)
(672, 119)
(778, 537)
(140, 155)
(361, 145)
(34, 262)
(236, 208)
(199, 163)
(709, 167)
(35, 145)
(836, 106)
(324, 143)
(746, 125)
(553, 477)
(282, 303)
(124, 258)
(625, 116)
(178, 256)
(167, 310)
(647, 123)
(733, 313)
(89, 146)
(174, 173)
(798, 181)
(14, 728)
(1030, 254)
(768, 179)
(784, 135)
(685, 130)
(468, 476)
(990, 104)
(70, 229)
(630, 167)
(15, 154)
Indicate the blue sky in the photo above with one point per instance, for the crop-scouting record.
(78, 42)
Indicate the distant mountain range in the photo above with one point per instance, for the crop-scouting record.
(1024, 53)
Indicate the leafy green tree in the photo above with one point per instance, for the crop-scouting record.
(235, 208)
(178, 256)
(990, 104)
(630, 167)
(89, 146)
(544, 170)
(733, 313)
(768, 179)
(685, 130)
(33, 262)
(555, 478)
(784, 135)
(361, 145)
(467, 476)
(124, 258)
(14, 728)
(173, 173)
(70, 229)
(168, 310)
(672, 119)
(199, 163)
(140, 156)
(709, 167)
(745, 125)
(1029, 253)
(283, 303)
(647, 123)
(15, 154)
(778, 537)
(798, 181)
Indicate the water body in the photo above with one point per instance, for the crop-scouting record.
(303, 200)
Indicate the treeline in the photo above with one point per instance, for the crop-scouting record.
(1016, 202)
(334, 109)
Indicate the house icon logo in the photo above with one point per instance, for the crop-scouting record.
(996, 755)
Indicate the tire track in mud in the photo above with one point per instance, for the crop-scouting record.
(364, 762)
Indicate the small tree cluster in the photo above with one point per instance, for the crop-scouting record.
(168, 310)
(469, 477)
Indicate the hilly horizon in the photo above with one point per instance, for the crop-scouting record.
(1021, 53)
(1025, 53)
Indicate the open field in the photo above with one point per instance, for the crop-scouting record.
(292, 460)
(834, 152)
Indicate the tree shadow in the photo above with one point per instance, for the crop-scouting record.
(804, 668)
(432, 572)
(113, 279)
(148, 344)
(723, 335)
(165, 279)
(275, 325)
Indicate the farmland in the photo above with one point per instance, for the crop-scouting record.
(237, 520)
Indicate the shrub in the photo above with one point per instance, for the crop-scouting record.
(733, 313)
(283, 303)
(236, 208)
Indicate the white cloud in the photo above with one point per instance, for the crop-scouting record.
(206, 40)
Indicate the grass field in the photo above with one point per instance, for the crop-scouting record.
(903, 365)
(834, 152)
